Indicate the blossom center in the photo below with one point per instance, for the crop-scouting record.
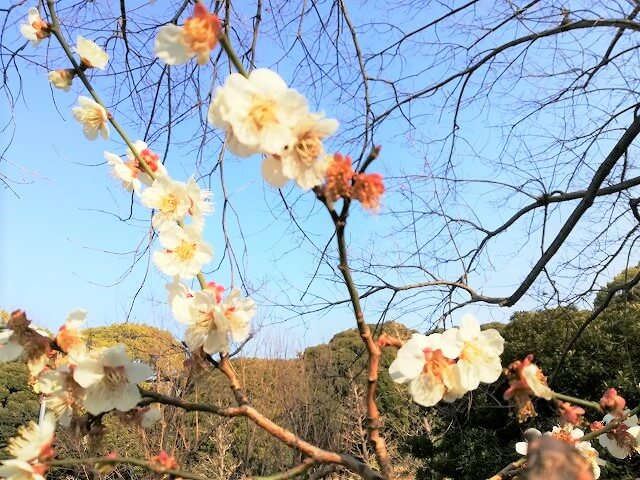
(308, 148)
(435, 363)
(263, 113)
(185, 251)
(471, 352)
(169, 203)
(92, 117)
(115, 376)
(564, 436)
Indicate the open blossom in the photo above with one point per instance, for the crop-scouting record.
(62, 79)
(339, 176)
(14, 469)
(22, 339)
(623, 439)
(427, 363)
(69, 337)
(151, 158)
(211, 322)
(199, 201)
(258, 112)
(480, 356)
(93, 117)
(197, 37)
(62, 393)
(10, 349)
(33, 441)
(170, 200)
(91, 55)
(184, 251)
(304, 160)
(368, 188)
(35, 29)
(128, 173)
(109, 378)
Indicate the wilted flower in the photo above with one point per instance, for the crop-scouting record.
(184, 251)
(93, 117)
(570, 413)
(35, 29)
(624, 438)
(258, 112)
(110, 379)
(164, 460)
(368, 188)
(91, 55)
(69, 336)
(339, 176)
(525, 380)
(62, 79)
(197, 37)
(427, 363)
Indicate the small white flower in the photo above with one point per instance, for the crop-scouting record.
(91, 54)
(69, 337)
(480, 356)
(536, 382)
(427, 363)
(212, 322)
(59, 387)
(93, 117)
(35, 29)
(177, 45)
(33, 441)
(169, 199)
(110, 379)
(151, 158)
(150, 418)
(199, 201)
(258, 112)
(184, 251)
(305, 160)
(623, 439)
(10, 349)
(62, 79)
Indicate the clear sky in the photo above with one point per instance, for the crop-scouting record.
(62, 245)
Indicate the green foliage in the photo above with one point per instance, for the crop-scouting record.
(632, 295)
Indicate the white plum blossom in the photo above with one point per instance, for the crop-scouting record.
(131, 177)
(535, 381)
(62, 79)
(35, 29)
(10, 349)
(59, 387)
(623, 439)
(427, 363)
(69, 337)
(258, 112)
(91, 54)
(93, 117)
(151, 158)
(211, 322)
(184, 251)
(110, 380)
(304, 160)
(13, 469)
(197, 37)
(33, 441)
(479, 360)
(199, 201)
(170, 200)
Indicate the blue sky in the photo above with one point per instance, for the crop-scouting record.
(62, 245)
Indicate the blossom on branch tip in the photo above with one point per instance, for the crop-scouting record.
(91, 55)
(35, 29)
(197, 37)
(184, 251)
(62, 79)
(93, 117)
(624, 438)
(170, 200)
(258, 112)
(304, 160)
(368, 188)
(427, 363)
(110, 379)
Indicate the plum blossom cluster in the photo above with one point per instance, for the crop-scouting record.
(445, 366)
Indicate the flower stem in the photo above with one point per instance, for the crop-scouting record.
(577, 401)
(128, 461)
(224, 41)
